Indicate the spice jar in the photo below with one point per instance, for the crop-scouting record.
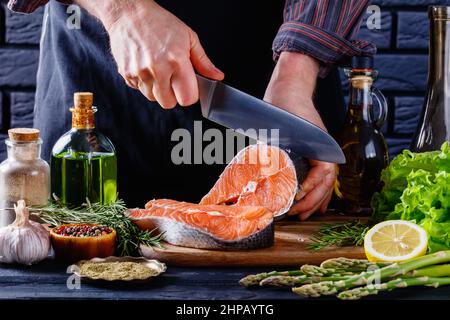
(23, 175)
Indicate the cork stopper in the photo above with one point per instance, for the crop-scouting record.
(83, 110)
(83, 100)
(23, 134)
(361, 82)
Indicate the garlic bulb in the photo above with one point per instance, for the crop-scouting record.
(23, 241)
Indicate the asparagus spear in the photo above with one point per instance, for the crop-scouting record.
(310, 270)
(373, 289)
(290, 281)
(442, 270)
(336, 266)
(356, 265)
(413, 278)
(317, 271)
(310, 277)
(390, 271)
(255, 279)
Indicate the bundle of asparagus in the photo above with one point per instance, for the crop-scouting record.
(352, 279)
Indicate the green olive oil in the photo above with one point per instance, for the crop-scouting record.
(80, 176)
(83, 162)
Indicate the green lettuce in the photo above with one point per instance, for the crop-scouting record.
(417, 188)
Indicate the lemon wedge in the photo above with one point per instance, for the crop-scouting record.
(394, 241)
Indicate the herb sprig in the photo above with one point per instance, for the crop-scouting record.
(343, 234)
(129, 236)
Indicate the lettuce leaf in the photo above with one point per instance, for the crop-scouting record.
(417, 188)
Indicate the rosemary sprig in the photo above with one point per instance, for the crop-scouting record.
(129, 236)
(343, 234)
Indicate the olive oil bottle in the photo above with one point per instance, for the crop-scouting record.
(361, 140)
(83, 163)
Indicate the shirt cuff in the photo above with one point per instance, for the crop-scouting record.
(25, 6)
(327, 47)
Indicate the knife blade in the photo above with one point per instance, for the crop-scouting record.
(240, 111)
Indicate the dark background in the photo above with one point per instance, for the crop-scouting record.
(402, 62)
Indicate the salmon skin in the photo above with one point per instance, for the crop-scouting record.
(259, 175)
(207, 226)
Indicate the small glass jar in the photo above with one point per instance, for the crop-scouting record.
(23, 175)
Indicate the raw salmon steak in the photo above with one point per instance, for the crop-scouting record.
(207, 226)
(259, 175)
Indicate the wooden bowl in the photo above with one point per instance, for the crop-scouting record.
(72, 249)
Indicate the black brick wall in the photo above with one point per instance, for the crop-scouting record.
(402, 62)
(19, 53)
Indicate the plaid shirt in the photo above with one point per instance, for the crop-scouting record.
(323, 29)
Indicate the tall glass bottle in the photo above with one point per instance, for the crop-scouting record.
(83, 163)
(434, 126)
(361, 140)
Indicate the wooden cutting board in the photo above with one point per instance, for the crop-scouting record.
(290, 248)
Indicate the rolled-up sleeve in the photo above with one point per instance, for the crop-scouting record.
(25, 6)
(323, 29)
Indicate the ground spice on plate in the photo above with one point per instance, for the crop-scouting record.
(113, 271)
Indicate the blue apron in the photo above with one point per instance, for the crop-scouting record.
(237, 36)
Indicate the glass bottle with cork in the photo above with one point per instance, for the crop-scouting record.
(361, 140)
(23, 175)
(83, 162)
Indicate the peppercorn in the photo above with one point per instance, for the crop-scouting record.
(83, 231)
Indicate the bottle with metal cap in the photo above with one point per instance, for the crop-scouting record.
(361, 140)
(83, 162)
(23, 175)
(434, 126)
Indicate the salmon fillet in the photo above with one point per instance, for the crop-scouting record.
(258, 185)
(207, 226)
(259, 175)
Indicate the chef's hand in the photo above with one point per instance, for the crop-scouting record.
(155, 51)
(291, 88)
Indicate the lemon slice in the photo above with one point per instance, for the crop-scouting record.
(394, 241)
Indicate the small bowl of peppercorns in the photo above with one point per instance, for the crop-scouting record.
(74, 242)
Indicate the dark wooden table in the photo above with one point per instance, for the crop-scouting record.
(48, 280)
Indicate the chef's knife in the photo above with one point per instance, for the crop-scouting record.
(237, 110)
